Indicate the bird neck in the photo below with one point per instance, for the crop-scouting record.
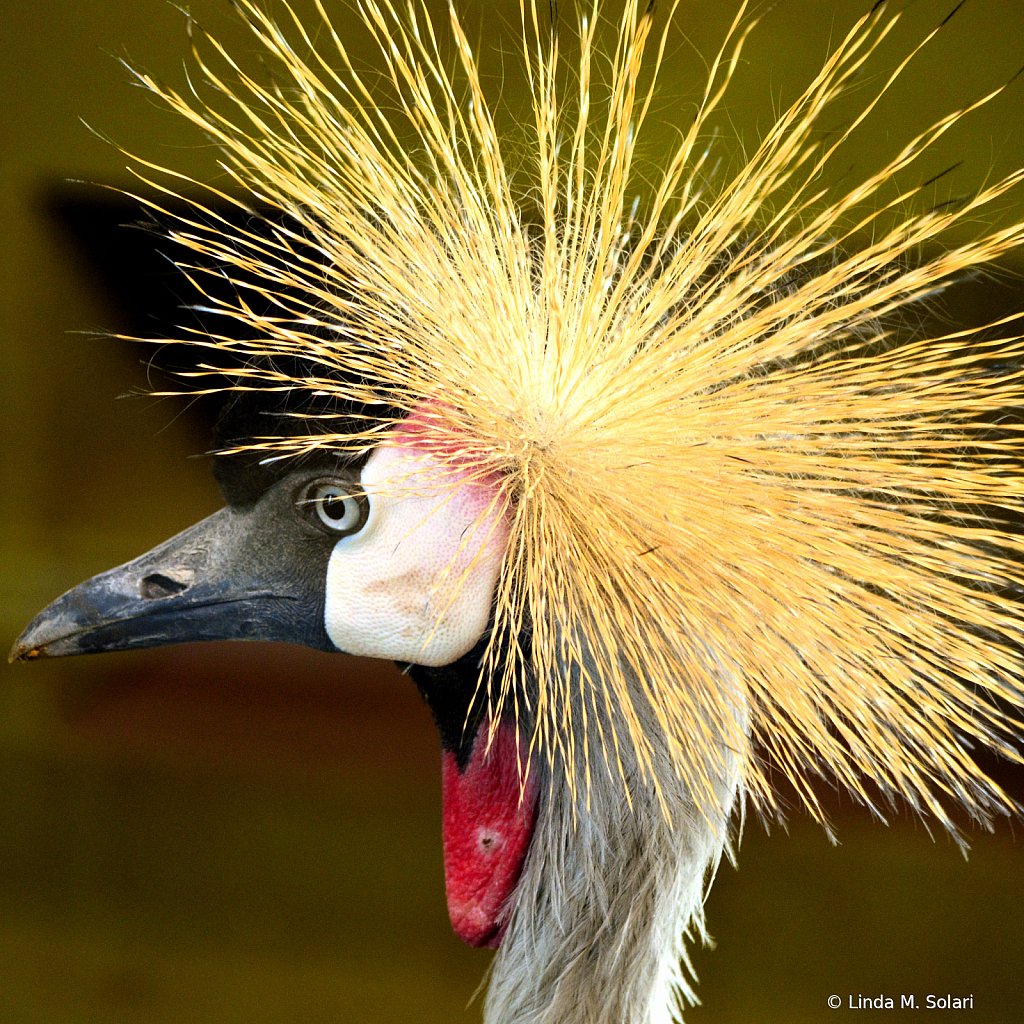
(611, 889)
(617, 869)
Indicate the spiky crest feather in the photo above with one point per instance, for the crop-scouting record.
(727, 485)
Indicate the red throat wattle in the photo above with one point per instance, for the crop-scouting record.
(489, 814)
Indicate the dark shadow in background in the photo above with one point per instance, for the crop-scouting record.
(128, 255)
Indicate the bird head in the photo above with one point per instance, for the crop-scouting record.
(390, 555)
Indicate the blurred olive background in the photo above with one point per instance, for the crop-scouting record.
(251, 833)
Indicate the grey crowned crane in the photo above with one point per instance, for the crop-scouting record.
(646, 495)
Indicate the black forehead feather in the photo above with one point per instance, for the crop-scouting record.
(251, 416)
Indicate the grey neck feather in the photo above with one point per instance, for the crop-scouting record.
(607, 896)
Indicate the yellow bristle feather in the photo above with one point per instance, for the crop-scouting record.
(728, 484)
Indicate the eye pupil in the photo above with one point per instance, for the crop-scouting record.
(334, 506)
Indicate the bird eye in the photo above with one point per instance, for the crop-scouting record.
(335, 507)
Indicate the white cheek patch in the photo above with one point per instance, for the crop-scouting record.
(416, 583)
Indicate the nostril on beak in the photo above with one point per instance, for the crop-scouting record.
(157, 585)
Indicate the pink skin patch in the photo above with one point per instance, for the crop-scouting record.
(488, 817)
(428, 430)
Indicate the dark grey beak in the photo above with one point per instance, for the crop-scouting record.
(230, 577)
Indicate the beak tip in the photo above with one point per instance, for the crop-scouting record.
(23, 652)
(27, 647)
(51, 633)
